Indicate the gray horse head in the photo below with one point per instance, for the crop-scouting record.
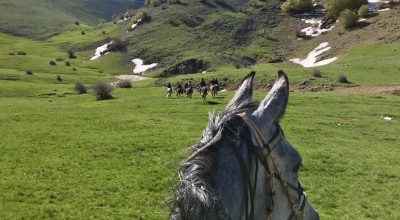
(225, 177)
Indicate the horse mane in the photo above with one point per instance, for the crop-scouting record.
(193, 198)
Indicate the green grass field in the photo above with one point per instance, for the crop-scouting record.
(77, 158)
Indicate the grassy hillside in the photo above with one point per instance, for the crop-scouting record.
(36, 18)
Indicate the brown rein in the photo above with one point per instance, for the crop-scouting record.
(265, 149)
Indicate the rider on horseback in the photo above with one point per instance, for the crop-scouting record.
(202, 84)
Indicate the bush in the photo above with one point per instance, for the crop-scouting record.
(59, 78)
(74, 69)
(77, 22)
(80, 88)
(29, 72)
(67, 63)
(348, 18)
(102, 90)
(71, 54)
(124, 83)
(116, 44)
(237, 65)
(297, 5)
(21, 53)
(317, 73)
(103, 32)
(82, 32)
(342, 78)
(141, 15)
(363, 11)
(335, 7)
(11, 54)
(52, 62)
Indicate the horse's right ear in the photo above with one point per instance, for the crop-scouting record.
(244, 92)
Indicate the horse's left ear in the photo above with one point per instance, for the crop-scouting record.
(273, 107)
(244, 93)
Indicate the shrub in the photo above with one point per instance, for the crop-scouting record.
(59, 78)
(102, 90)
(80, 88)
(82, 32)
(348, 18)
(21, 53)
(116, 44)
(237, 65)
(141, 15)
(52, 62)
(29, 72)
(124, 83)
(11, 54)
(342, 78)
(363, 11)
(71, 54)
(297, 5)
(335, 7)
(74, 69)
(317, 73)
(77, 22)
(67, 63)
(103, 32)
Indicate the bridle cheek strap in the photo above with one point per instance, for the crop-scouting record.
(266, 150)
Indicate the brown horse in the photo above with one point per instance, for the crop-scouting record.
(203, 93)
(179, 92)
(189, 92)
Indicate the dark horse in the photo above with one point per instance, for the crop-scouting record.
(243, 167)
(179, 92)
(203, 93)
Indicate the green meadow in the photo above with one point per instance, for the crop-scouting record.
(68, 156)
(77, 158)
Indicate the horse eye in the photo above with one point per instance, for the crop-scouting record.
(297, 168)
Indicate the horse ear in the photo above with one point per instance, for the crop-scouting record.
(244, 93)
(273, 107)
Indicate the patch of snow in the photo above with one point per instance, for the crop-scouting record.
(373, 4)
(134, 25)
(204, 71)
(314, 31)
(128, 77)
(99, 50)
(224, 90)
(362, 19)
(140, 68)
(311, 60)
(386, 118)
(125, 19)
(385, 9)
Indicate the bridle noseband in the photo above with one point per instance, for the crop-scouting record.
(269, 161)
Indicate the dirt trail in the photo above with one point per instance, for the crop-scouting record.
(370, 89)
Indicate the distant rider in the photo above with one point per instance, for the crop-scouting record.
(202, 84)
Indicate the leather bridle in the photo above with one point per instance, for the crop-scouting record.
(269, 161)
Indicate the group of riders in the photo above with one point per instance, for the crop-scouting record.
(188, 86)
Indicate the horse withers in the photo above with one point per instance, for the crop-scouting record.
(243, 167)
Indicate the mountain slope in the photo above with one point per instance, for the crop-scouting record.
(35, 18)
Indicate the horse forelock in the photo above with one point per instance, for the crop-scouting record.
(194, 196)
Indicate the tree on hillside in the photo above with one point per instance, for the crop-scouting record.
(334, 7)
(297, 5)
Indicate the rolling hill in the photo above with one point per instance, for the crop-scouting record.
(35, 18)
